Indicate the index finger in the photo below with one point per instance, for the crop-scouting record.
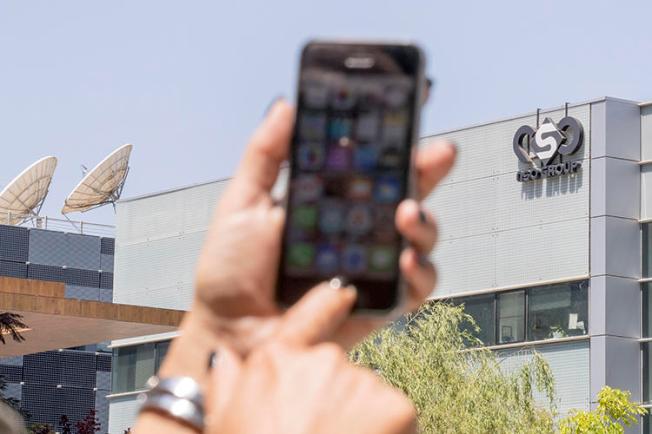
(266, 151)
(433, 162)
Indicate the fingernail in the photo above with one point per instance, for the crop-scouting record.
(424, 261)
(453, 146)
(271, 104)
(212, 360)
(338, 282)
(422, 217)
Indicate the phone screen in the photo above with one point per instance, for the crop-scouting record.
(349, 170)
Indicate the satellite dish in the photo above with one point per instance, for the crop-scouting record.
(101, 185)
(23, 197)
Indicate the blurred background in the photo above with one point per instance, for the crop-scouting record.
(186, 82)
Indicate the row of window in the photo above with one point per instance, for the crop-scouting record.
(133, 365)
(532, 314)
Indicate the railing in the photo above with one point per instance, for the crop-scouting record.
(56, 224)
(77, 226)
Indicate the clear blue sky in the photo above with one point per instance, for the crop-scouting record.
(187, 81)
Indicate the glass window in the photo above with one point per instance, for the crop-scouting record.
(482, 310)
(511, 317)
(558, 311)
(161, 351)
(647, 249)
(647, 370)
(647, 308)
(132, 366)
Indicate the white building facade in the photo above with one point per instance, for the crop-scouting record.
(558, 263)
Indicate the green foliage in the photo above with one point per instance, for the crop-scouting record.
(456, 389)
(40, 428)
(614, 412)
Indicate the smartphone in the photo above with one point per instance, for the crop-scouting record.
(351, 161)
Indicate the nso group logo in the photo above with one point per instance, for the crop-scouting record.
(547, 150)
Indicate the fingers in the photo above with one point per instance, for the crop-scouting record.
(420, 275)
(225, 376)
(267, 149)
(318, 314)
(416, 225)
(433, 163)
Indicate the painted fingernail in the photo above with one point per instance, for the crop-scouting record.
(453, 146)
(212, 360)
(422, 217)
(424, 261)
(271, 104)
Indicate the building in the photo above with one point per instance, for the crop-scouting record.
(69, 381)
(62, 284)
(545, 236)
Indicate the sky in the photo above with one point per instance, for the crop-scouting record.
(186, 82)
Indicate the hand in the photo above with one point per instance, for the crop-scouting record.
(294, 384)
(237, 268)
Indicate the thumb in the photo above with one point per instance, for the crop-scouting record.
(226, 367)
(318, 314)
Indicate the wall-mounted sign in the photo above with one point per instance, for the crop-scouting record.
(546, 149)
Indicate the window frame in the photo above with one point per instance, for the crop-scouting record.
(526, 306)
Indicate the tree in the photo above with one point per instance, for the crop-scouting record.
(40, 428)
(89, 424)
(614, 412)
(65, 425)
(457, 389)
(10, 401)
(10, 324)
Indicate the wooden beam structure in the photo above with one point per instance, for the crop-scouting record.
(56, 322)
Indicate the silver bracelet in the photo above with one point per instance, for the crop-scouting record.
(178, 397)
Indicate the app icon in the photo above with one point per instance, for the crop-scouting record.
(390, 157)
(339, 128)
(335, 187)
(367, 127)
(395, 129)
(301, 255)
(370, 95)
(307, 188)
(360, 188)
(358, 220)
(365, 156)
(304, 217)
(343, 99)
(387, 189)
(327, 259)
(331, 217)
(311, 156)
(384, 224)
(382, 258)
(312, 126)
(315, 95)
(339, 158)
(354, 259)
(396, 95)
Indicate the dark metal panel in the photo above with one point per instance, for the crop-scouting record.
(108, 246)
(45, 272)
(79, 277)
(106, 280)
(13, 269)
(14, 243)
